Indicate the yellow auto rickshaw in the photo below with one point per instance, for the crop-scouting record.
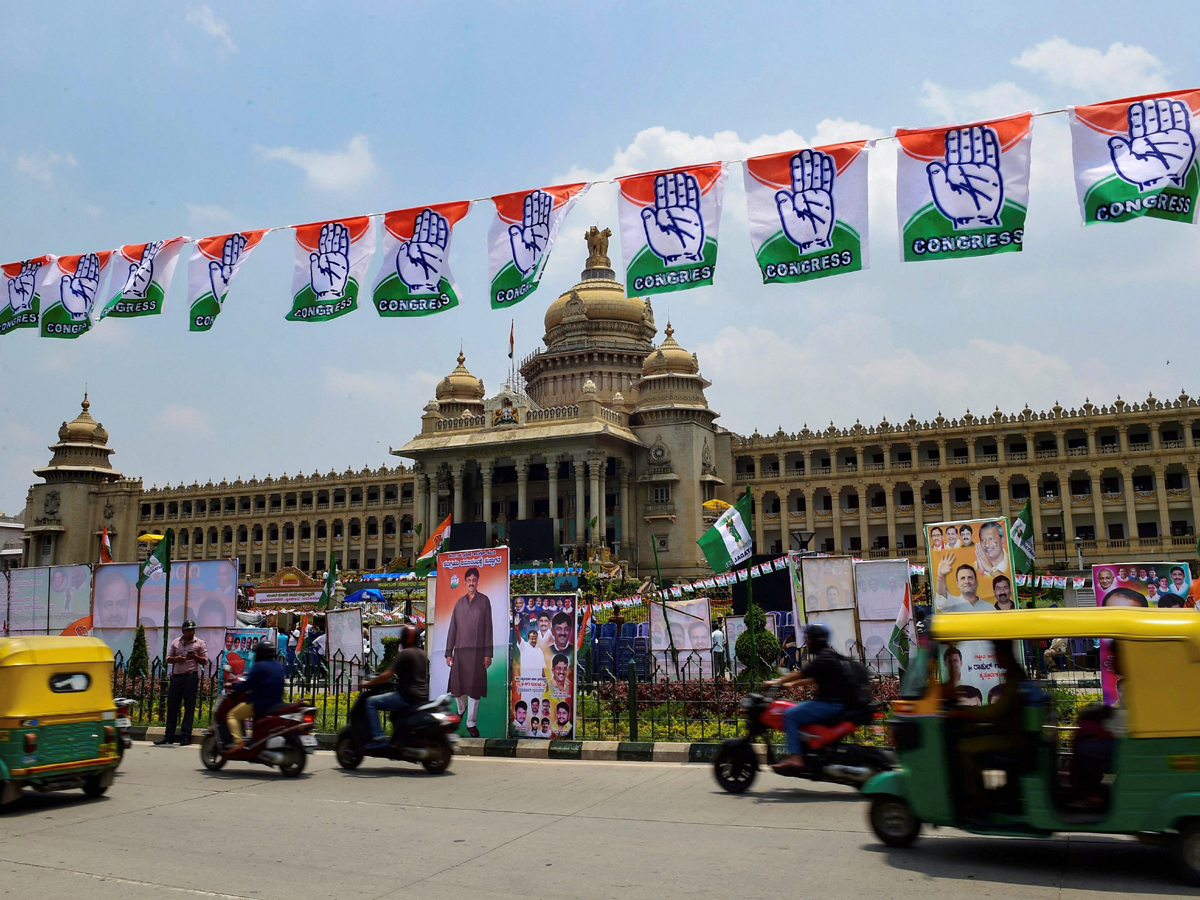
(1150, 783)
(57, 717)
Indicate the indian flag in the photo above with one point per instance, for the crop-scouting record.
(435, 545)
(728, 542)
(904, 632)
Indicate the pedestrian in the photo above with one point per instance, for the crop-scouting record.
(185, 656)
(718, 650)
(292, 642)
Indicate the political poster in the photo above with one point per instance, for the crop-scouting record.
(690, 625)
(27, 592)
(828, 583)
(213, 264)
(331, 267)
(879, 589)
(971, 565)
(1137, 157)
(235, 656)
(344, 645)
(69, 596)
(669, 223)
(68, 288)
(21, 302)
(1160, 585)
(542, 683)
(468, 646)
(521, 237)
(141, 278)
(416, 279)
(963, 190)
(808, 211)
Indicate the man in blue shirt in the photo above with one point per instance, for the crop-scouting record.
(265, 685)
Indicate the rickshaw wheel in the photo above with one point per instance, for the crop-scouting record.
(893, 821)
(92, 787)
(1187, 852)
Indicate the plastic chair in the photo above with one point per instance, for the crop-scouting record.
(608, 631)
(629, 630)
(643, 630)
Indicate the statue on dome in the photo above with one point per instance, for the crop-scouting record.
(597, 244)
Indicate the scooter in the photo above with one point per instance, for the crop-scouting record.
(426, 737)
(123, 723)
(826, 756)
(283, 737)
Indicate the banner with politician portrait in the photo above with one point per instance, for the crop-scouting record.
(828, 584)
(879, 590)
(521, 237)
(21, 302)
(68, 287)
(235, 656)
(970, 564)
(469, 639)
(686, 651)
(331, 268)
(213, 263)
(963, 190)
(1160, 585)
(808, 211)
(1137, 157)
(542, 682)
(141, 278)
(669, 222)
(416, 279)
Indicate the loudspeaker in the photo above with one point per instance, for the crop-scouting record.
(467, 536)
(530, 539)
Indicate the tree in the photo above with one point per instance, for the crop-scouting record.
(139, 657)
(757, 649)
(391, 649)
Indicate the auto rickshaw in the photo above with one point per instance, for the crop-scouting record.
(58, 726)
(1153, 788)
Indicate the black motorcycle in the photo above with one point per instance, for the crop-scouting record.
(426, 737)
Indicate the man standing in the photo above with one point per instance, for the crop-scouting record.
(469, 649)
(185, 656)
(718, 650)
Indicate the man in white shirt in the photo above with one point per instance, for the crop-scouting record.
(718, 651)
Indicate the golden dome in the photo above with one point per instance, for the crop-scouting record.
(460, 385)
(596, 299)
(83, 428)
(670, 357)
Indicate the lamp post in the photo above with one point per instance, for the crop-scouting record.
(803, 538)
(1050, 497)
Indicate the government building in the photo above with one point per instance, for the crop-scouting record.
(609, 435)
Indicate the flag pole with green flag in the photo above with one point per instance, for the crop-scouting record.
(1020, 539)
(330, 583)
(159, 560)
(728, 543)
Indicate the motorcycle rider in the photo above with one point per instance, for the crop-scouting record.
(411, 673)
(265, 685)
(825, 670)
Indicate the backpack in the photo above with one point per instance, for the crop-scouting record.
(857, 683)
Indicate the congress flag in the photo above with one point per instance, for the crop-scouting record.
(142, 277)
(669, 223)
(214, 262)
(521, 237)
(1137, 157)
(962, 190)
(808, 211)
(728, 543)
(20, 303)
(69, 287)
(331, 266)
(416, 279)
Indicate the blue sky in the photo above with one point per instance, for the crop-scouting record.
(150, 121)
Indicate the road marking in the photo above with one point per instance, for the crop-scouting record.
(195, 892)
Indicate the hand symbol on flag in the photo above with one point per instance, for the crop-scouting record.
(674, 228)
(806, 211)
(530, 239)
(1160, 146)
(420, 260)
(329, 267)
(78, 292)
(141, 274)
(967, 188)
(220, 273)
(20, 287)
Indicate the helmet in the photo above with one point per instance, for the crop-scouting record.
(409, 635)
(264, 651)
(816, 636)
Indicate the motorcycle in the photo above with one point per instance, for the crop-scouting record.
(282, 737)
(426, 737)
(123, 723)
(826, 756)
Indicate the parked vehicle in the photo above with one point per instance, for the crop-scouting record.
(123, 722)
(282, 737)
(57, 717)
(427, 737)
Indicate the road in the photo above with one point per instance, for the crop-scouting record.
(515, 828)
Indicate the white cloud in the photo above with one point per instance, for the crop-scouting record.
(184, 420)
(209, 216)
(41, 166)
(338, 170)
(205, 19)
(1001, 99)
(1120, 71)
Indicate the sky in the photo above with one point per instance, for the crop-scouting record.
(151, 121)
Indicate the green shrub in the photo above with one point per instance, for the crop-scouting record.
(139, 657)
(391, 649)
(757, 649)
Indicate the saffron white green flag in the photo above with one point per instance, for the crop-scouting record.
(904, 632)
(69, 287)
(962, 190)
(435, 545)
(141, 278)
(1137, 157)
(214, 262)
(808, 211)
(331, 266)
(416, 279)
(728, 543)
(20, 302)
(521, 237)
(669, 224)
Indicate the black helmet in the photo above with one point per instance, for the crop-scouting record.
(409, 635)
(264, 651)
(816, 636)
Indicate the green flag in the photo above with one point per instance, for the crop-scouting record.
(156, 562)
(1020, 534)
(326, 600)
(728, 542)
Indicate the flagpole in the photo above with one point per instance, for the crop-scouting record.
(169, 538)
(663, 602)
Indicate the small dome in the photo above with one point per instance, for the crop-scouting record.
(670, 357)
(83, 428)
(460, 385)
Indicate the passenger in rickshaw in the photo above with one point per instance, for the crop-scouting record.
(1092, 753)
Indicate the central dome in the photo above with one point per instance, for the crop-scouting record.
(597, 300)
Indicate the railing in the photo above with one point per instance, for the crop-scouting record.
(1019, 456)
(959, 460)
(570, 411)
(1113, 496)
(1110, 448)
(873, 467)
(609, 415)
(1045, 454)
(1077, 451)
(904, 507)
(1177, 492)
(822, 470)
(987, 457)
(1143, 495)
(1082, 498)
(931, 507)
(743, 476)
(902, 464)
(460, 423)
(847, 468)
(1171, 445)
(930, 463)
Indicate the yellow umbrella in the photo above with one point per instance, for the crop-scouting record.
(715, 504)
(151, 538)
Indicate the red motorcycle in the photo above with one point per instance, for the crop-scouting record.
(283, 737)
(826, 756)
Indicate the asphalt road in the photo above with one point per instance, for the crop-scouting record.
(515, 828)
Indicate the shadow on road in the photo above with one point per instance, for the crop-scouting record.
(400, 771)
(31, 801)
